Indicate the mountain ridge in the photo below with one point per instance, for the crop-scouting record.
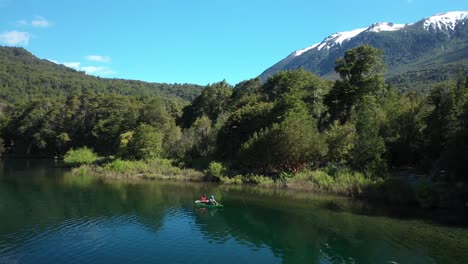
(406, 47)
(23, 75)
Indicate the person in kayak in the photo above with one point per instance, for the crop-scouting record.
(203, 199)
(212, 200)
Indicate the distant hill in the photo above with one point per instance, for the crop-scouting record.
(430, 50)
(23, 75)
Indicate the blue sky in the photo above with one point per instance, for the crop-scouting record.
(185, 41)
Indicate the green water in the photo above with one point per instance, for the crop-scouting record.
(49, 216)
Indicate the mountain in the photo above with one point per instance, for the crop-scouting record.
(429, 50)
(23, 75)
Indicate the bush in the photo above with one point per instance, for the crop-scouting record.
(323, 180)
(150, 169)
(259, 180)
(216, 170)
(352, 183)
(80, 156)
(234, 180)
(127, 166)
(83, 170)
(302, 181)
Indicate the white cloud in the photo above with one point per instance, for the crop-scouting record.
(54, 61)
(15, 38)
(99, 58)
(21, 23)
(93, 70)
(97, 70)
(74, 65)
(40, 22)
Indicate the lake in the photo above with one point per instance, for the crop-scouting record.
(48, 215)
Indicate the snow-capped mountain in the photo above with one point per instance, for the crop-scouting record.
(439, 39)
(340, 37)
(445, 21)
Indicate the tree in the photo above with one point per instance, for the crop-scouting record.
(299, 84)
(369, 147)
(199, 140)
(144, 143)
(241, 125)
(245, 93)
(114, 115)
(290, 145)
(361, 71)
(446, 129)
(212, 102)
(340, 140)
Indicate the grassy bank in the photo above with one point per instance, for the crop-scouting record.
(418, 191)
(161, 169)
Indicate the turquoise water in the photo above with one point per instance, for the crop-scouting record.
(50, 216)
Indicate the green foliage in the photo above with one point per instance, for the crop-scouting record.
(50, 126)
(145, 143)
(446, 129)
(127, 166)
(323, 180)
(246, 93)
(216, 170)
(297, 85)
(352, 183)
(149, 169)
(82, 170)
(342, 181)
(288, 146)
(24, 77)
(340, 141)
(402, 125)
(199, 140)
(82, 155)
(241, 125)
(238, 179)
(212, 102)
(369, 147)
(259, 180)
(361, 74)
(360, 65)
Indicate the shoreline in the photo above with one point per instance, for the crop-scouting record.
(394, 190)
(403, 210)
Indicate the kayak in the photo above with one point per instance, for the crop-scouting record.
(207, 205)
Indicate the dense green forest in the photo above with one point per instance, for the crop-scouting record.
(24, 76)
(294, 124)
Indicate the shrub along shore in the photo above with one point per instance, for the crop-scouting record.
(397, 190)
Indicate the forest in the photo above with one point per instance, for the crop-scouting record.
(356, 135)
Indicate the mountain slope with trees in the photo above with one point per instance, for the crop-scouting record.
(23, 76)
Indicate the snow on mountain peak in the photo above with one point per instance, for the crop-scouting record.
(340, 37)
(299, 52)
(442, 21)
(445, 21)
(385, 26)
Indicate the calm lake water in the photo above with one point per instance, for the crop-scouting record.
(49, 216)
